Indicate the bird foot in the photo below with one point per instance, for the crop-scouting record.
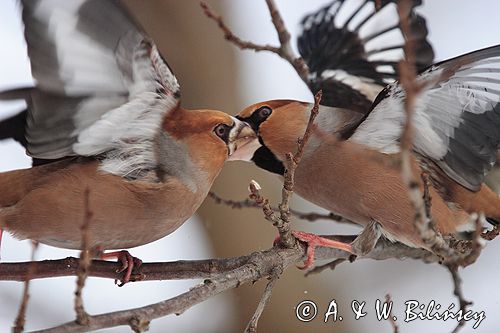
(276, 241)
(128, 264)
(313, 241)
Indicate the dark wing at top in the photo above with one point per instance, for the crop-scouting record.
(352, 50)
(101, 85)
(456, 121)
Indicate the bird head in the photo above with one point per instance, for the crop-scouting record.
(278, 124)
(208, 137)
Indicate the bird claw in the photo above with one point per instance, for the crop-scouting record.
(128, 262)
(313, 241)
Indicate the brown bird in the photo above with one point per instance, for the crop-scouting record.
(105, 116)
(348, 164)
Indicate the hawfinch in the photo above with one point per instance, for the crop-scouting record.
(348, 164)
(105, 116)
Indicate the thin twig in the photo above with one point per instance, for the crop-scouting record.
(254, 189)
(291, 164)
(407, 76)
(282, 222)
(82, 317)
(266, 296)
(475, 246)
(248, 203)
(395, 328)
(284, 50)
(427, 196)
(457, 291)
(231, 37)
(21, 315)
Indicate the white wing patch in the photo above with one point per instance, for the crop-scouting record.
(102, 86)
(127, 134)
(456, 118)
(364, 85)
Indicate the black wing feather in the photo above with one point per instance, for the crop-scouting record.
(327, 45)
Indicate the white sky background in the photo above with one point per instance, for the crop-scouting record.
(456, 27)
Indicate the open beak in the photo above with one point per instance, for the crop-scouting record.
(243, 142)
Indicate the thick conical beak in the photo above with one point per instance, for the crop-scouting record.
(243, 141)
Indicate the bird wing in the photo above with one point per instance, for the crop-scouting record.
(456, 117)
(353, 53)
(102, 87)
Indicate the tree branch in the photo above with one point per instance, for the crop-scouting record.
(422, 202)
(291, 164)
(255, 266)
(82, 318)
(266, 296)
(176, 270)
(194, 269)
(284, 50)
(248, 203)
(21, 314)
(395, 328)
(282, 222)
(457, 291)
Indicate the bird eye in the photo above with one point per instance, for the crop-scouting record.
(264, 112)
(222, 131)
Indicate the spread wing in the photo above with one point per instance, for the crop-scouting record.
(102, 87)
(353, 51)
(456, 121)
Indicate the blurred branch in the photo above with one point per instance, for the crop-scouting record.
(82, 318)
(457, 291)
(21, 314)
(421, 202)
(407, 78)
(248, 203)
(395, 328)
(284, 50)
(252, 324)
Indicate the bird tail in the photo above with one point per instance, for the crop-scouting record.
(493, 221)
(16, 94)
(14, 128)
